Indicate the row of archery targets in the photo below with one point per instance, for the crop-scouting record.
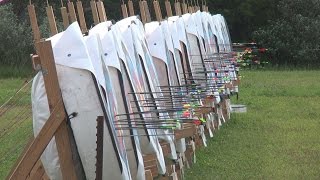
(131, 99)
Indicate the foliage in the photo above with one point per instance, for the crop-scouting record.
(293, 38)
(15, 38)
(278, 138)
(244, 16)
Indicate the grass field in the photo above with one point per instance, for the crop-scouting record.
(279, 137)
(15, 122)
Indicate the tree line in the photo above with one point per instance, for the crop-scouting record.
(289, 29)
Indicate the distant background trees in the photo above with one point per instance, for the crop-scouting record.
(290, 29)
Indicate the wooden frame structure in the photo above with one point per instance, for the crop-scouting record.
(29, 166)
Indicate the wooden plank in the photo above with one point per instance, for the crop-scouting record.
(124, 10)
(147, 11)
(142, 12)
(186, 131)
(65, 18)
(131, 8)
(82, 20)
(168, 8)
(99, 162)
(101, 11)
(148, 175)
(52, 21)
(34, 23)
(54, 96)
(37, 171)
(35, 62)
(45, 177)
(177, 7)
(190, 9)
(39, 144)
(158, 10)
(184, 7)
(165, 148)
(150, 163)
(72, 12)
(94, 10)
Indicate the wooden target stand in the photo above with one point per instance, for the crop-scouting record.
(29, 166)
(188, 131)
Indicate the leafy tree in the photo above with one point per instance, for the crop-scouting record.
(293, 39)
(244, 16)
(15, 38)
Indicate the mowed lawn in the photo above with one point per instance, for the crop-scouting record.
(15, 122)
(279, 137)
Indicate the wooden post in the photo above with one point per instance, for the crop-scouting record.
(65, 19)
(190, 9)
(52, 21)
(124, 10)
(72, 12)
(54, 97)
(101, 11)
(168, 8)
(99, 161)
(147, 11)
(82, 20)
(177, 8)
(203, 8)
(157, 10)
(94, 10)
(34, 23)
(184, 7)
(56, 125)
(131, 9)
(142, 12)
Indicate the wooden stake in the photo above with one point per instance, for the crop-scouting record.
(190, 9)
(203, 8)
(65, 18)
(146, 8)
(34, 23)
(94, 10)
(142, 12)
(124, 10)
(82, 20)
(184, 7)
(157, 10)
(131, 9)
(101, 11)
(177, 7)
(72, 12)
(54, 97)
(55, 125)
(99, 162)
(168, 8)
(52, 21)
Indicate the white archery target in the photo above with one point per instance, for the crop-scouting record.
(147, 58)
(77, 86)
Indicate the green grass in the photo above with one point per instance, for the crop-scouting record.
(15, 123)
(279, 136)
(8, 87)
(277, 139)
